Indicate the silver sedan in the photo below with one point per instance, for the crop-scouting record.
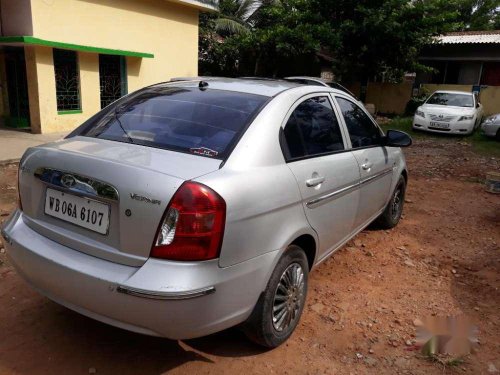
(491, 126)
(189, 207)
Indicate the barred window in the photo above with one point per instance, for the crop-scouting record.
(67, 80)
(112, 78)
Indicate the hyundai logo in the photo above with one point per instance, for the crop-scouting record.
(68, 181)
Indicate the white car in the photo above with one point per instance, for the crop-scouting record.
(451, 112)
(491, 126)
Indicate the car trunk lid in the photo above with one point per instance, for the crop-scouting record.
(135, 183)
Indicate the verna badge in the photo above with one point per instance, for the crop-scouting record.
(140, 198)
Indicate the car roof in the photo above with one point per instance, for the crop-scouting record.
(258, 86)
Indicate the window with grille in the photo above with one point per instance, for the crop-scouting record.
(67, 80)
(112, 78)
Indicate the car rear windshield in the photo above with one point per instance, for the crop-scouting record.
(199, 121)
(455, 100)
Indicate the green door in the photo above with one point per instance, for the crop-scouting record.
(17, 89)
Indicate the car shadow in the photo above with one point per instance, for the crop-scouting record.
(229, 343)
(53, 337)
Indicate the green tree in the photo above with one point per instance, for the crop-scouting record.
(284, 34)
(385, 36)
(366, 37)
(479, 14)
(271, 35)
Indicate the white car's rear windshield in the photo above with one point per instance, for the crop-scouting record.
(450, 99)
(199, 121)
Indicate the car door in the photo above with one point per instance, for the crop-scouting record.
(375, 162)
(327, 173)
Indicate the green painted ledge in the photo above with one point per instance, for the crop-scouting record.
(72, 112)
(31, 40)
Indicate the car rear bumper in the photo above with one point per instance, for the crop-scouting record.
(170, 299)
(456, 127)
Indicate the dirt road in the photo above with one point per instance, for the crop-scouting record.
(443, 259)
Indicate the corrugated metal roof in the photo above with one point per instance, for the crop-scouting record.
(470, 37)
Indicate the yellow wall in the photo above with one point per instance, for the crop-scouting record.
(389, 97)
(431, 87)
(490, 99)
(168, 30)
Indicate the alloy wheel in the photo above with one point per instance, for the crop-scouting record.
(288, 298)
(397, 203)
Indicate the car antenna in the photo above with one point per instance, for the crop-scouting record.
(203, 85)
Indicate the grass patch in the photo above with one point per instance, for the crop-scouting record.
(445, 361)
(480, 143)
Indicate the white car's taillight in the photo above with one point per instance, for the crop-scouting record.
(193, 225)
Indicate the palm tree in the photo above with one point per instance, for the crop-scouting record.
(237, 16)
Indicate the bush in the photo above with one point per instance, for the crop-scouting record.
(415, 102)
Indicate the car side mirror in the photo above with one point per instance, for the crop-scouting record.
(396, 138)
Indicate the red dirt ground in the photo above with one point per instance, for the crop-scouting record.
(443, 259)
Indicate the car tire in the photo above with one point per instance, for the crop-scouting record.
(392, 213)
(497, 136)
(265, 326)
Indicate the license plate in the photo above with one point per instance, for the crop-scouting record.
(440, 125)
(84, 212)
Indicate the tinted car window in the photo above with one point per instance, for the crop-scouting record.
(362, 131)
(455, 100)
(203, 122)
(313, 129)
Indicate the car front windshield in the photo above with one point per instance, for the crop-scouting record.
(450, 99)
(199, 121)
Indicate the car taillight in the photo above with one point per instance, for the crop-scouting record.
(193, 225)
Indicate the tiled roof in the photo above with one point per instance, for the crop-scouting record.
(470, 37)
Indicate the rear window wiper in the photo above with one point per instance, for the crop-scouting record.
(116, 114)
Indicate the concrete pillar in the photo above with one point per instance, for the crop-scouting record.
(90, 92)
(44, 116)
(33, 97)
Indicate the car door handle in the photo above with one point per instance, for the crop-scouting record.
(315, 181)
(366, 166)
